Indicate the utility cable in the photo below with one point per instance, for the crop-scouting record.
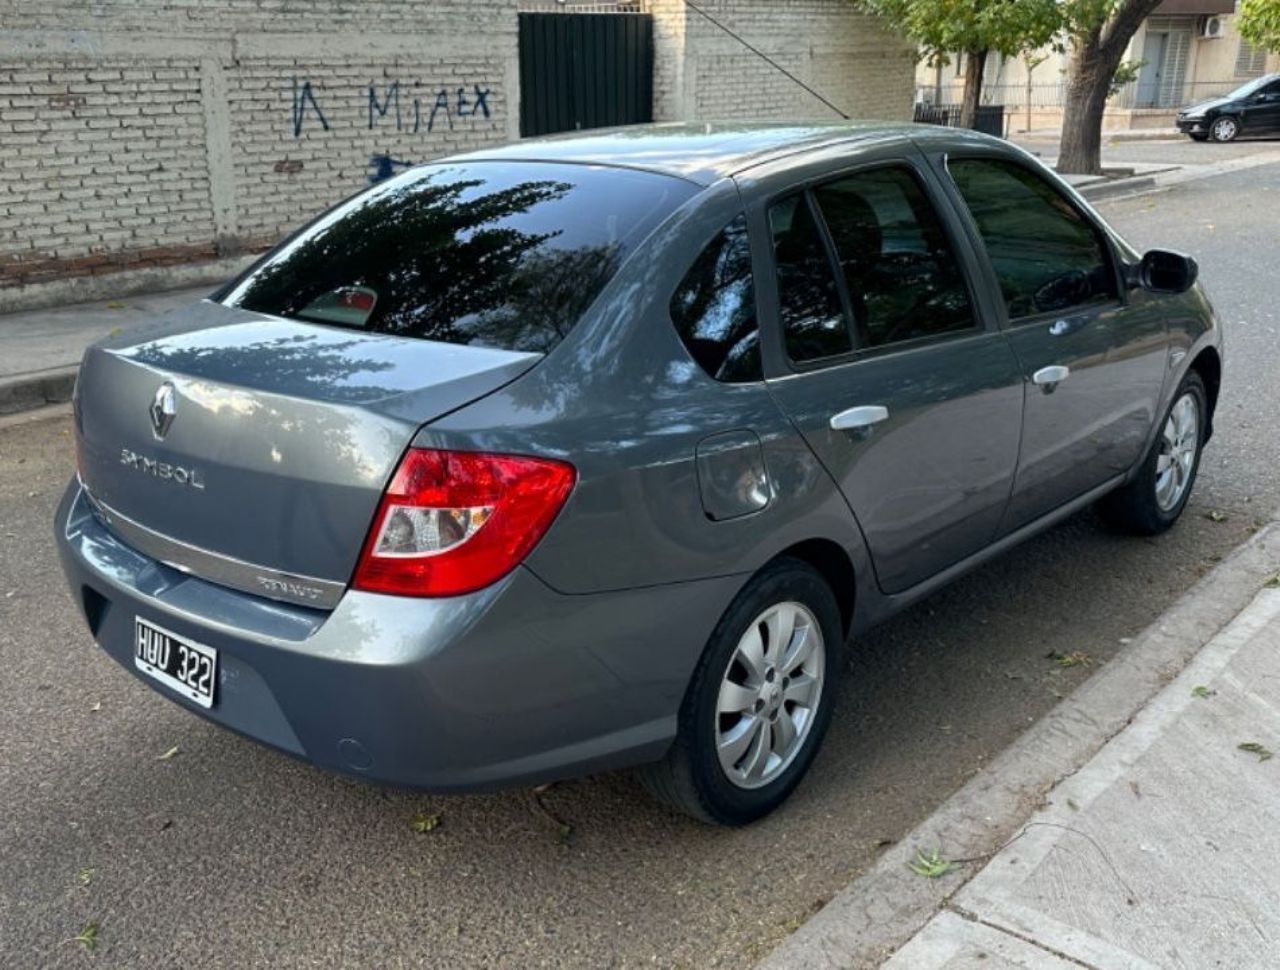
(763, 56)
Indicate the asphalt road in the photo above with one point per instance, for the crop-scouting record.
(228, 855)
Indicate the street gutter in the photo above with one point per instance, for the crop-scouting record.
(37, 389)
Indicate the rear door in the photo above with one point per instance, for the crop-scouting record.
(1094, 363)
(884, 357)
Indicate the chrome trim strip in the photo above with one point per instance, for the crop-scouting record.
(215, 567)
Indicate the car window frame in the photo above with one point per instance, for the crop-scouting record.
(943, 208)
(1101, 232)
(741, 213)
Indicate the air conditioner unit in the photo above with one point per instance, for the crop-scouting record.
(1211, 28)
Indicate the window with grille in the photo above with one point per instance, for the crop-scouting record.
(1250, 61)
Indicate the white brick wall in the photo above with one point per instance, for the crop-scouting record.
(100, 155)
(431, 106)
(847, 57)
(143, 133)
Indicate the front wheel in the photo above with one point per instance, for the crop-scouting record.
(1154, 500)
(759, 702)
(1225, 129)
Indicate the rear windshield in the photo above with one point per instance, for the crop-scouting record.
(495, 254)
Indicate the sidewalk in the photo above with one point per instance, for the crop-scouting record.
(40, 350)
(1152, 843)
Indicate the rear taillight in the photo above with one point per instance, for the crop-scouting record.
(455, 521)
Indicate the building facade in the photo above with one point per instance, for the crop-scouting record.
(1186, 51)
(146, 143)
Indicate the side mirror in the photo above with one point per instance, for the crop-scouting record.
(1162, 271)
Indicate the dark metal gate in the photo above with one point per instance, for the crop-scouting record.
(584, 71)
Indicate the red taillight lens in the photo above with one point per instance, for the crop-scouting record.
(455, 521)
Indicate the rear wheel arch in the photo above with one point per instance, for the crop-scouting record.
(832, 561)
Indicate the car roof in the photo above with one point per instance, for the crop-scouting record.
(702, 152)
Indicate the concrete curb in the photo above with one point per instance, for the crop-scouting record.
(1113, 187)
(27, 391)
(882, 909)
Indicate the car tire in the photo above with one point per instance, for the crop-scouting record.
(1156, 497)
(1224, 129)
(733, 697)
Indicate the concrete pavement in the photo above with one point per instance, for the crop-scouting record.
(1126, 830)
(40, 350)
(1158, 853)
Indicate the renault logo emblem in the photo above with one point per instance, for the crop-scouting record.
(163, 408)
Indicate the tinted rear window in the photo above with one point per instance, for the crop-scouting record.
(505, 255)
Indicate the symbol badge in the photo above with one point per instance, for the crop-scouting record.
(163, 407)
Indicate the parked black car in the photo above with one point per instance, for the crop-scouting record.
(1252, 109)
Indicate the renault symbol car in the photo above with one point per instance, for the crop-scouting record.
(602, 451)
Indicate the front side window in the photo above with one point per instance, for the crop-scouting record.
(809, 307)
(485, 253)
(714, 308)
(900, 272)
(1046, 255)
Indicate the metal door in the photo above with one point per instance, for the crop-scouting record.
(584, 71)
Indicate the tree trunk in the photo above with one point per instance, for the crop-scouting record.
(1095, 54)
(975, 64)
(1088, 78)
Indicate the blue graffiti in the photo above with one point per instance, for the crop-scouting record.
(444, 107)
(381, 108)
(457, 105)
(302, 97)
(384, 166)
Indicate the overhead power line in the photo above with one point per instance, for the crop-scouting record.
(763, 56)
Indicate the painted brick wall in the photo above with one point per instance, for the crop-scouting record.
(422, 107)
(144, 133)
(848, 57)
(102, 161)
(137, 134)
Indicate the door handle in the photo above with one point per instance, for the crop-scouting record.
(1048, 377)
(859, 418)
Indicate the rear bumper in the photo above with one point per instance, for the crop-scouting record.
(514, 684)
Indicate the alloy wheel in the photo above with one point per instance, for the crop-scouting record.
(1179, 442)
(769, 695)
(1225, 129)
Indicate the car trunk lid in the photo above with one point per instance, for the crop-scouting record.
(253, 450)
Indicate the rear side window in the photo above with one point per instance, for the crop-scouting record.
(505, 255)
(809, 307)
(1047, 256)
(900, 272)
(714, 308)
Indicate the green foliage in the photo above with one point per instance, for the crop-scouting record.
(941, 27)
(1253, 747)
(1127, 73)
(423, 822)
(87, 937)
(931, 865)
(1259, 23)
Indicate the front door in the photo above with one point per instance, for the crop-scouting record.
(1094, 363)
(909, 399)
(1151, 74)
(1261, 114)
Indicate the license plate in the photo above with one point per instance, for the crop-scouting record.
(189, 668)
